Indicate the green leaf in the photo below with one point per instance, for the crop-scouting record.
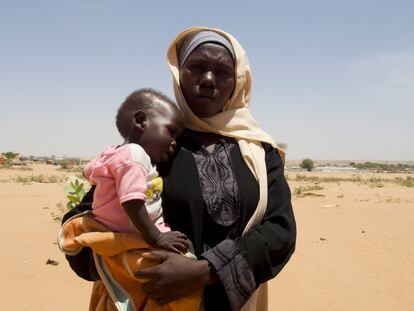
(79, 188)
(73, 198)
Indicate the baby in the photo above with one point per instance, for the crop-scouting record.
(128, 188)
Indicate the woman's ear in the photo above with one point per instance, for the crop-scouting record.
(140, 119)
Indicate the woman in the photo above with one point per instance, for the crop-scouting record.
(225, 188)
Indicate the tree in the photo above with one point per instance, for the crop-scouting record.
(307, 164)
(10, 156)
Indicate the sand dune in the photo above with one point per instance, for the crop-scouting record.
(355, 248)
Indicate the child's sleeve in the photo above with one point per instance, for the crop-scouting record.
(131, 175)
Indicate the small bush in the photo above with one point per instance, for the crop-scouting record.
(9, 157)
(307, 164)
(37, 178)
(75, 191)
(406, 182)
(306, 190)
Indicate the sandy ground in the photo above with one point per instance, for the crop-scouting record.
(355, 248)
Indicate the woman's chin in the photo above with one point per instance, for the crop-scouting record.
(203, 109)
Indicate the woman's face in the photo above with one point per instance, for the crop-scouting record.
(207, 79)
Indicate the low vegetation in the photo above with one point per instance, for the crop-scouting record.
(371, 181)
(70, 168)
(303, 191)
(7, 158)
(383, 167)
(16, 168)
(406, 182)
(26, 180)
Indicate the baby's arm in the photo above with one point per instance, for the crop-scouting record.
(173, 240)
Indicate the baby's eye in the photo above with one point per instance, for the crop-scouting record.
(171, 131)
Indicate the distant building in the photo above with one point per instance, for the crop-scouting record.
(335, 169)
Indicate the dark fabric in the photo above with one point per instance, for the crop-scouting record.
(220, 190)
(266, 248)
(233, 271)
(192, 41)
(269, 245)
(221, 215)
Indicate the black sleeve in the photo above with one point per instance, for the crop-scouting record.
(81, 264)
(268, 246)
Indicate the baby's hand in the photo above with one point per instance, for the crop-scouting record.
(174, 241)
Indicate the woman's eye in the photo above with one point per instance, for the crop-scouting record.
(197, 68)
(223, 72)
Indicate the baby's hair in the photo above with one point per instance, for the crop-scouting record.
(142, 99)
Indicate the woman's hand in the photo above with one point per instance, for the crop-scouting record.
(175, 277)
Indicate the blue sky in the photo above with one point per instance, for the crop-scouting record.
(332, 79)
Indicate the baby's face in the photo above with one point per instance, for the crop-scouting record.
(163, 125)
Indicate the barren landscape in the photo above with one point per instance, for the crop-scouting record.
(355, 247)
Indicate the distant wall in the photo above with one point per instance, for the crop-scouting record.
(334, 169)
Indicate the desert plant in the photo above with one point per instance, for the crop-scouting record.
(307, 164)
(406, 182)
(303, 191)
(75, 191)
(9, 157)
(26, 180)
(64, 164)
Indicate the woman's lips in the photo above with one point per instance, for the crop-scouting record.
(206, 96)
(206, 93)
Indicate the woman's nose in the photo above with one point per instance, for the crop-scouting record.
(173, 143)
(208, 80)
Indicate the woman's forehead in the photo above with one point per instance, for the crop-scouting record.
(195, 40)
(210, 50)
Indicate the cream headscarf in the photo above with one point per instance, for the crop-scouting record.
(234, 121)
